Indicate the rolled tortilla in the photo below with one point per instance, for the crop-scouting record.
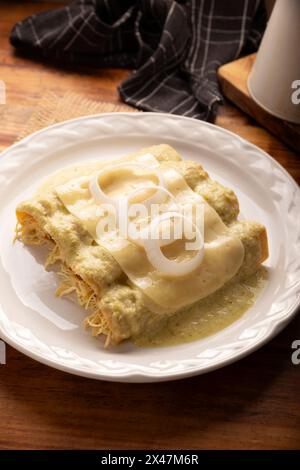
(124, 307)
(118, 309)
(44, 218)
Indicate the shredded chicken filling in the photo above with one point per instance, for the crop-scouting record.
(30, 233)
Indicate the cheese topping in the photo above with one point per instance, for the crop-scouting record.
(166, 291)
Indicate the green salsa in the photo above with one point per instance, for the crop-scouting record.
(208, 316)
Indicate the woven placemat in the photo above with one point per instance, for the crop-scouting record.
(53, 109)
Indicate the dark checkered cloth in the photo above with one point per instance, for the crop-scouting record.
(175, 47)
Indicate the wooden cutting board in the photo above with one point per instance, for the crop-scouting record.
(233, 79)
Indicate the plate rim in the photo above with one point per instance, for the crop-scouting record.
(134, 115)
(161, 375)
(142, 377)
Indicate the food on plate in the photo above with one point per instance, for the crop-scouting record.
(146, 243)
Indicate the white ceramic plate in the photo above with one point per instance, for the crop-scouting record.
(49, 329)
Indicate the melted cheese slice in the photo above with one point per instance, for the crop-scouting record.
(66, 174)
(223, 253)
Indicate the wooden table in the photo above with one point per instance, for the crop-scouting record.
(251, 404)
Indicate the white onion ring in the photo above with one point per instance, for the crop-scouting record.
(156, 198)
(99, 195)
(160, 262)
(149, 201)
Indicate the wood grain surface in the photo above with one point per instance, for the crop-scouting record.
(251, 404)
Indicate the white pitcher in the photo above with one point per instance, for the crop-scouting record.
(274, 82)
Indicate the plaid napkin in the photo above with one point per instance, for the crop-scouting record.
(175, 47)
